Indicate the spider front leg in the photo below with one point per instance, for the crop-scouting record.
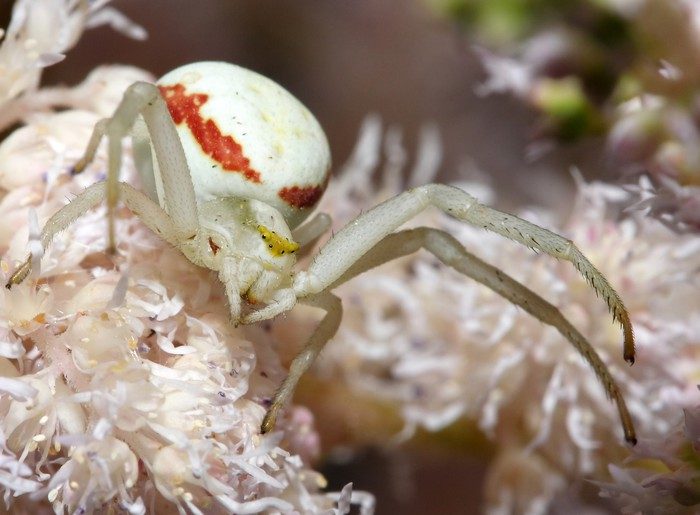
(360, 235)
(303, 361)
(342, 258)
(448, 250)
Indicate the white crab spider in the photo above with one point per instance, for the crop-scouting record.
(240, 163)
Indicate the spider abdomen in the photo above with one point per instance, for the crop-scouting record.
(246, 136)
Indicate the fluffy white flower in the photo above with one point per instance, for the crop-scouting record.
(39, 34)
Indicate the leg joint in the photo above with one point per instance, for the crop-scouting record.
(136, 98)
(143, 92)
(569, 249)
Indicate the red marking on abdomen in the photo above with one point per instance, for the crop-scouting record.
(223, 149)
(301, 197)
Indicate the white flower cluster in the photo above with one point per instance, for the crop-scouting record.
(440, 347)
(122, 384)
(39, 34)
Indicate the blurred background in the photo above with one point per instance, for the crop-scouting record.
(345, 60)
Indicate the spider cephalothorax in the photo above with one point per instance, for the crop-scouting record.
(232, 164)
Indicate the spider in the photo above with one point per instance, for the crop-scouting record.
(239, 165)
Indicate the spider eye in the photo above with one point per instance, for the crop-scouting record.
(278, 245)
